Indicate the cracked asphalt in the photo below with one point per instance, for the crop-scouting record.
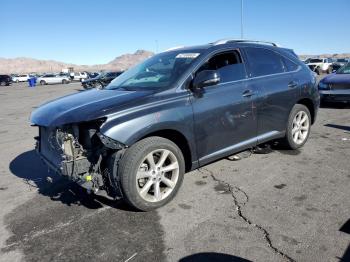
(278, 206)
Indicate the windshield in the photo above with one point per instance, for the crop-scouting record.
(315, 61)
(345, 69)
(158, 72)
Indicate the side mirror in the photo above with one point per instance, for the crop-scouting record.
(206, 78)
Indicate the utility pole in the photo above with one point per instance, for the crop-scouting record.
(242, 35)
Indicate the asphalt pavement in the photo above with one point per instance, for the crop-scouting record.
(278, 205)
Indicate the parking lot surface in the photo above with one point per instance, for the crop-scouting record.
(278, 206)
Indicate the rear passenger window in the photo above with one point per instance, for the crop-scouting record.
(290, 66)
(228, 64)
(264, 62)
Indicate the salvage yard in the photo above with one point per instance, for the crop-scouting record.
(278, 206)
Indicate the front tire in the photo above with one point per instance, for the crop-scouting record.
(42, 82)
(298, 128)
(151, 173)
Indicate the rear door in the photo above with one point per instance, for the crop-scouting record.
(224, 118)
(278, 91)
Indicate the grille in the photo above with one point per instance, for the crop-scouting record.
(340, 86)
(49, 147)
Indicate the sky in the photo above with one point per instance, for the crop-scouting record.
(95, 32)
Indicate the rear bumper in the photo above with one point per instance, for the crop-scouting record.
(342, 96)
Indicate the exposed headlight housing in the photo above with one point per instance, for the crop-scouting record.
(109, 142)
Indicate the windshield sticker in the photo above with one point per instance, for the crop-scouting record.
(188, 55)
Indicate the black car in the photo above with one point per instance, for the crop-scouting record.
(175, 112)
(339, 63)
(101, 80)
(92, 75)
(5, 80)
(336, 87)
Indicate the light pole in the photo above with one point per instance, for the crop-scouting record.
(241, 19)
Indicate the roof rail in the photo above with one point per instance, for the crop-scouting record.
(174, 48)
(228, 41)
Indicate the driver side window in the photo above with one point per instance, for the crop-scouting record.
(228, 64)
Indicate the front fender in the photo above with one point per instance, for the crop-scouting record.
(169, 114)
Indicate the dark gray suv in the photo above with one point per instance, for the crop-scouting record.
(177, 111)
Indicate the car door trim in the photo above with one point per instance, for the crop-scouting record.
(240, 146)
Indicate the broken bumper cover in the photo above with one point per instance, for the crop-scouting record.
(70, 169)
(51, 154)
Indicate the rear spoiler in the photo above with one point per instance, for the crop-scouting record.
(290, 51)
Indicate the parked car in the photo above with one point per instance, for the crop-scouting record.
(14, 77)
(101, 80)
(320, 65)
(53, 79)
(175, 112)
(336, 87)
(79, 76)
(22, 78)
(93, 75)
(5, 80)
(339, 63)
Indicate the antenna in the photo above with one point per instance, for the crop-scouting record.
(241, 19)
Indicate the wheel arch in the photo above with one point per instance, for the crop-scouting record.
(179, 139)
(310, 105)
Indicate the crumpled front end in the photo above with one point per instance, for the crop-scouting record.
(79, 152)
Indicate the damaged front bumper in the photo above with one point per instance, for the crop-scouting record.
(63, 153)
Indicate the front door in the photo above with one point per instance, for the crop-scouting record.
(224, 114)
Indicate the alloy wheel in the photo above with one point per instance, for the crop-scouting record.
(157, 175)
(300, 127)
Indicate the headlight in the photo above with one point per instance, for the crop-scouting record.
(322, 85)
(109, 142)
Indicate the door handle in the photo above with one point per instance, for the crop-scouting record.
(248, 93)
(292, 84)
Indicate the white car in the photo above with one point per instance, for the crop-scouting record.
(53, 79)
(320, 65)
(21, 78)
(80, 76)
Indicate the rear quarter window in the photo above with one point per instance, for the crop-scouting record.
(264, 62)
(290, 65)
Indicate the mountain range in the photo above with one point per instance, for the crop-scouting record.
(120, 63)
(30, 65)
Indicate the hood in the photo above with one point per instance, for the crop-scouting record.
(337, 79)
(83, 106)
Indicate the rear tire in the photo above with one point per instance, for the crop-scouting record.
(64, 81)
(298, 127)
(2, 83)
(42, 82)
(146, 185)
